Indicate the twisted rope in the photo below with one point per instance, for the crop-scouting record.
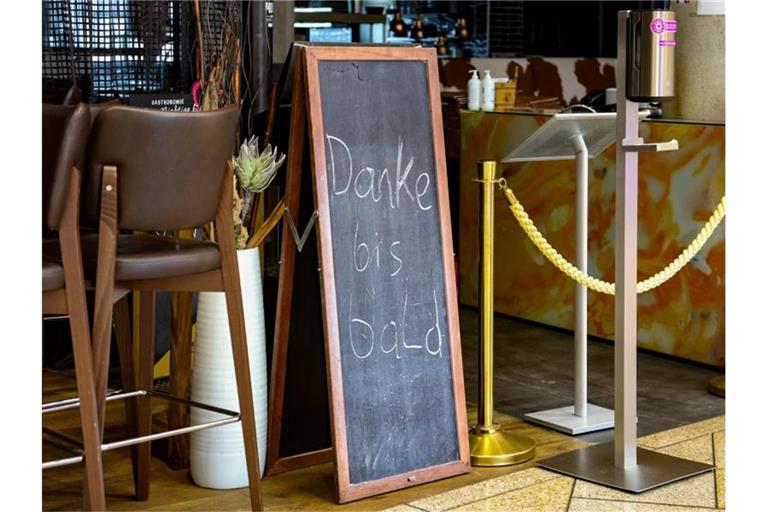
(593, 283)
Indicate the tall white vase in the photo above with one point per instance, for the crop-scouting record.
(217, 455)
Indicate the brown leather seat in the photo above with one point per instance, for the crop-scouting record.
(146, 256)
(53, 276)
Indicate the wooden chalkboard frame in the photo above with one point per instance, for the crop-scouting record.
(311, 58)
(276, 461)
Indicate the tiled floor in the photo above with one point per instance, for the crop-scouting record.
(541, 490)
(534, 372)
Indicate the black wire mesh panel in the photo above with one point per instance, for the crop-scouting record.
(114, 48)
(220, 26)
(215, 19)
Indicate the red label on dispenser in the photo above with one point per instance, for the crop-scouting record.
(657, 25)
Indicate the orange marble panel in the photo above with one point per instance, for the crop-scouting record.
(677, 192)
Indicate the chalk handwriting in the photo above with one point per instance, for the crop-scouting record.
(367, 255)
(366, 182)
(365, 335)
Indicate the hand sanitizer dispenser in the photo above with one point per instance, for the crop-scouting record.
(489, 92)
(473, 91)
(645, 45)
(651, 55)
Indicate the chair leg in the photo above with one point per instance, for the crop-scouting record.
(93, 483)
(180, 377)
(231, 280)
(145, 379)
(101, 339)
(101, 330)
(124, 338)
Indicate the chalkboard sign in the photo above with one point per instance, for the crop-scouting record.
(390, 312)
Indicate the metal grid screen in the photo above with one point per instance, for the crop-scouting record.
(112, 48)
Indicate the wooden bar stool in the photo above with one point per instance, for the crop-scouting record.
(152, 171)
(65, 132)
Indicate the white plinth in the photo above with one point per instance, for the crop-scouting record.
(564, 419)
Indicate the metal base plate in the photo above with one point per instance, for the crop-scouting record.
(499, 448)
(595, 464)
(717, 386)
(564, 419)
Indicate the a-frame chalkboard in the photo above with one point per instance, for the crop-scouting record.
(387, 282)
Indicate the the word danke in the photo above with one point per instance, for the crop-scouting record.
(365, 181)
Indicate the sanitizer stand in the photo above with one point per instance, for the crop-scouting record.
(569, 137)
(621, 464)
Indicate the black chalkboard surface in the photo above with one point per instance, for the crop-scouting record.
(391, 320)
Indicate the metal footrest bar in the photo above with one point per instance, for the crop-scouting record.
(63, 462)
(192, 403)
(169, 433)
(231, 417)
(55, 317)
(66, 443)
(74, 403)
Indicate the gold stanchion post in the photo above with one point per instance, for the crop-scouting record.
(488, 445)
(717, 386)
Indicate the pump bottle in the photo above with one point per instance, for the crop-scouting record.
(489, 92)
(473, 88)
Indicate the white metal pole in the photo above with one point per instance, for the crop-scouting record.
(580, 291)
(625, 353)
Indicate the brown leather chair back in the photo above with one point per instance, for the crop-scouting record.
(65, 134)
(89, 196)
(170, 165)
(74, 96)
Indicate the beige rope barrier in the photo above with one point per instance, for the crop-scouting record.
(593, 283)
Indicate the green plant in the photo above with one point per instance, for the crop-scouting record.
(255, 171)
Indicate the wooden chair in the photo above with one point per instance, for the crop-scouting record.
(65, 132)
(152, 171)
(62, 92)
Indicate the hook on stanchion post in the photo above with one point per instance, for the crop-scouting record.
(489, 446)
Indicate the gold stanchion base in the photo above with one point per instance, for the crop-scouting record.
(717, 386)
(493, 447)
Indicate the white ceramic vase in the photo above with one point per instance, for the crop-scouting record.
(217, 455)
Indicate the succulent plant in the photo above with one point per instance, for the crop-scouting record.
(255, 171)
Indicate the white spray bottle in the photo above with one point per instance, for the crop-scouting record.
(473, 88)
(489, 92)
